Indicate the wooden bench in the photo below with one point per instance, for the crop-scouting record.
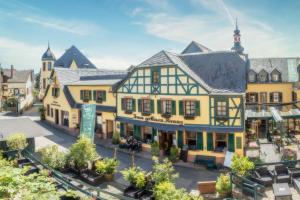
(208, 161)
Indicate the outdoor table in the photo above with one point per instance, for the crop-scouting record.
(297, 138)
(282, 191)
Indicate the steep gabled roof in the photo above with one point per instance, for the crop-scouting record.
(73, 54)
(159, 59)
(19, 76)
(195, 47)
(48, 55)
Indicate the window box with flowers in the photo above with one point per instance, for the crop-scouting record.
(85, 95)
(99, 96)
(146, 106)
(189, 108)
(128, 105)
(166, 107)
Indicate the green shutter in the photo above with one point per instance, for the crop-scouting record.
(200, 140)
(152, 105)
(181, 110)
(197, 108)
(137, 132)
(104, 96)
(139, 105)
(231, 146)
(158, 106)
(94, 95)
(173, 107)
(154, 133)
(122, 104)
(90, 95)
(179, 139)
(271, 97)
(81, 94)
(133, 105)
(210, 145)
(122, 131)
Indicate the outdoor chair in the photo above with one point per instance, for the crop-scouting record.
(282, 174)
(263, 176)
(295, 176)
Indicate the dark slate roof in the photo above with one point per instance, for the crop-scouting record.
(48, 55)
(19, 76)
(159, 59)
(224, 71)
(71, 54)
(283, 65)
(21, 125)
(195, 47)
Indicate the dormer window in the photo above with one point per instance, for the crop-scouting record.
(252, 76)
(275, 76)
(263, 76)
(155, 76)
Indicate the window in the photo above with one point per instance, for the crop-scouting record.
(166, 107)
(221, 141)
(252, 76)
(221, 108)
(44, 66)
(276, 97)
(51, 112)
(129, 130)
(189, 108)
(275, 77)
(44, 83)
(263, 76)
(146, 107)
(252, 97)
(48, 110)
(55, 92)
(147, 134)
(85, 95)
(191, 140)
(100, 96)
(16, 91)
(65, 118)
(155, 76)
(128, 105)
(49, 66)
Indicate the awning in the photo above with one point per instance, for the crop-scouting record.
(30, 128)
(276, 114)
(272, 114)
(186, 127)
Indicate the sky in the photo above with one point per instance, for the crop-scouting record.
(115, 34)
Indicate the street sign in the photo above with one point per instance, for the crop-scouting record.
(87, 124)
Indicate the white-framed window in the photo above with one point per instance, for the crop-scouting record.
(166, 107)
(252, 77)
(128, 104)
(191, 140)
(49, 66)
(189, 108)
(146, 107)
(276, 97)
(221, 108)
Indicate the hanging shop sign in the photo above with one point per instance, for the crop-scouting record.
(87, 125)
(153, 119)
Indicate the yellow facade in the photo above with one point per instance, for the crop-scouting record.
(46, 71)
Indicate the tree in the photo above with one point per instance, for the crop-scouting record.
(241, 165)
(17, 142)
(82, 152)
(37, 81)
(52, 157)
(163, 172)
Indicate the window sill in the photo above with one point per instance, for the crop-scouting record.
(128, 112)
(189, 116)
(99, 101)
(166, 115)
(146, 114)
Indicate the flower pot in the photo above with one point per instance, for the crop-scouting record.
(224, 194)
(109, 177)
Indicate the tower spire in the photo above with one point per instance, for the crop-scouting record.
(237, 39)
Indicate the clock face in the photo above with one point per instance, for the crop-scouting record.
(236, 38)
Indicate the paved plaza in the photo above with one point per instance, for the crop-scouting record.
(188, 177)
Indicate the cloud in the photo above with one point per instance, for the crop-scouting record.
(136, 11)
(215, 29)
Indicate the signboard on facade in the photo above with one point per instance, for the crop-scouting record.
(87, 124)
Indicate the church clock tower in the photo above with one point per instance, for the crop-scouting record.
(237, 40)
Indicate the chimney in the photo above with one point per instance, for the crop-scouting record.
(11, 71)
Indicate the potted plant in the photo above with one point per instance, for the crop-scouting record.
(116, 138)
(42, 111)
(163, 171)
(81, 154)
(107, 167)
(17, 142)
(155, 149)
(288, 156)
(174, 153)
(241, 165)
(54, 158)
(70, 195)
(137, 179)
(223, 185)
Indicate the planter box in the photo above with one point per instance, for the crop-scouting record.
(109, 177)
(91, 177)
(132, 191)
(207, 187)
(146, 195)
(69, 198)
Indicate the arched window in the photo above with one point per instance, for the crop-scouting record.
(263, 76)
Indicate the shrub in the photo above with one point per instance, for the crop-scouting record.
(116, 137)
(167, 191)
(241, 165)
(155, 149)
(52, 157)
(17, 142)
(163, 172)
(42, 111)
(289, 155)
(223, 185)
(107, 166)
(136, 176)
(82, 152)
(174, 153)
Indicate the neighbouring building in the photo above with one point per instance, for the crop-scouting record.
(195, 98)
(17, 89)
(76, 81)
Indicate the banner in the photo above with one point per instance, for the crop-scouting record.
(87, 124)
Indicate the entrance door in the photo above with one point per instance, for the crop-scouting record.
(56, 116)
(262, 129)
(109, 128)
(166, 141)
(263, 100)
